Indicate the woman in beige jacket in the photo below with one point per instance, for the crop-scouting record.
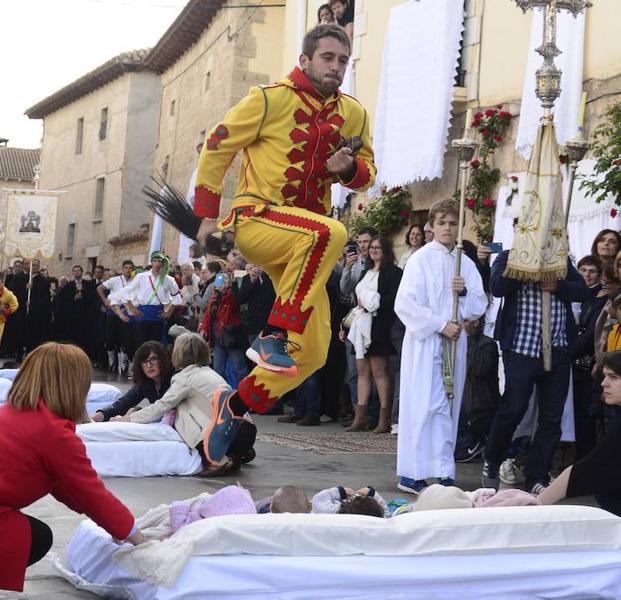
(190, 395)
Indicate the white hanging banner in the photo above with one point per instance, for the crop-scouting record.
(30, 224)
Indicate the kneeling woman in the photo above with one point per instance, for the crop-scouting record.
(190, 395)
(42, 455)
(598, 472)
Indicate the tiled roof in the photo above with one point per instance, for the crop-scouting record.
(109, 71)
(183, 33)
(18, 163)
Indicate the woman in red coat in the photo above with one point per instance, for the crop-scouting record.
(42, 455)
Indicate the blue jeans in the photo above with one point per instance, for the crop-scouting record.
(522, 374)
(219, 357)
(307, 401)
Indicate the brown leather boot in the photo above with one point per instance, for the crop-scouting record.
(383, 425)
(360, 419)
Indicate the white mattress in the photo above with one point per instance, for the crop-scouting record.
(99, 395)
(137, 450)
(580, 574)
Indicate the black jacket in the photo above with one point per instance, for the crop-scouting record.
(481, 394)
(387, 287)
(589, 311)
(135, 395)
(259, 298)
(571, 289)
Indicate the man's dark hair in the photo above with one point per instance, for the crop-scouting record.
(128, 262)
(368, 230)
(99, 267)
(214, 266)
(79, 267)
(311, 39)
(343, 2)
(590, 261)
(197, 264)
(362, 505)
(612, 361)
(138, 376)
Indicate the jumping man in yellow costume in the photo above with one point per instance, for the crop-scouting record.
(292, 135)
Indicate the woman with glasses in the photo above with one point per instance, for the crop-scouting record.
(152, 372)
(189, 396)
(375, 294)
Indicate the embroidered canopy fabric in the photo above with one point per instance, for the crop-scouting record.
(570, 40)
(416, 90)
(539, 250)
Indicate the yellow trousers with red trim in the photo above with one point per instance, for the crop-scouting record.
(298, 249)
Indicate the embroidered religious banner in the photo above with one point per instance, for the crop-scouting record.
(539, 250)
(30, 224)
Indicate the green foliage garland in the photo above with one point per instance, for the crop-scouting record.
(388, 213)
(484, 176)
(606, 149)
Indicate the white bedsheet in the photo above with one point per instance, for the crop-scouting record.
(581, 574)
(137, 450)
(99, 395)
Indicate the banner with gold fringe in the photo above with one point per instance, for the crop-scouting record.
(539, 250)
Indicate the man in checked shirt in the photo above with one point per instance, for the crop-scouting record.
(518, 330)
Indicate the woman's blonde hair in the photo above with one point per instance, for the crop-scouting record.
(190, 349)
(60, 374)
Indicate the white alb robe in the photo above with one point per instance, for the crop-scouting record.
(427, 432)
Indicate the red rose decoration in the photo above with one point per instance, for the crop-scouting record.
(503, 114)
(478, 116)
(470, 203)
(613, 212)
(475, 164)
(360, 206)
(514, 178)
(404, 214)
(616, 161)
(498, 138)
(488, 202)
(490, 112)
(486, 133)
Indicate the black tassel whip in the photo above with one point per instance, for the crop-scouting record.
(170, 204)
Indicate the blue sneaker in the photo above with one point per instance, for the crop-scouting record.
(271, 353)
(222, 427)
(412, 486)
(446, 481)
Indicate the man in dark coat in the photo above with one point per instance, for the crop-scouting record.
(76, 301)
(39, 317)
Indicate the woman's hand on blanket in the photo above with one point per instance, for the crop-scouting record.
(98, 417)
(118, 418)
(137, 538)
(452, 331)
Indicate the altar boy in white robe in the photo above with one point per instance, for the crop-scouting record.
(427, 429)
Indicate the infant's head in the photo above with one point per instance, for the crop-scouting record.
(359, 504)
(290, 499)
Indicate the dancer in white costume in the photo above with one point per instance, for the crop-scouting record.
(427, 430)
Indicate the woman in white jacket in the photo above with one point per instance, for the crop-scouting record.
(190, 395)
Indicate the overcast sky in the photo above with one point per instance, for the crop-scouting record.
(46, 44)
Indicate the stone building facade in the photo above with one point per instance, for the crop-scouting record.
(98, 147)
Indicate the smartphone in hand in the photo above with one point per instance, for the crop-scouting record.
(495, 247)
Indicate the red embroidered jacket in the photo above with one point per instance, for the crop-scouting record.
(287, 132)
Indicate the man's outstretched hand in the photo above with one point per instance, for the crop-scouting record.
(207, 227)
(342, 163)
